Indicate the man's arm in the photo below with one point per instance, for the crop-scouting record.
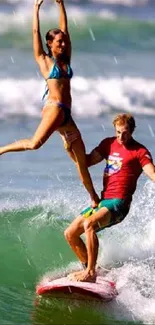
(149, 170)
(94, 158)
(98, 153)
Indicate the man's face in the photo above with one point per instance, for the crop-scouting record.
(123, 134)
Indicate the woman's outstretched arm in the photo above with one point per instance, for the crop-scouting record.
(37, 41)
(63, 24)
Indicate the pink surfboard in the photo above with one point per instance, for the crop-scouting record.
(102, 289)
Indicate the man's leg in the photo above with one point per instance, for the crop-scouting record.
(72, 235)
(94, 222)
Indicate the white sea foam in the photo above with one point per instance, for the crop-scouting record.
(91, 97)
(20, 97)
(129, 3)
(128, 249)
(132, 244)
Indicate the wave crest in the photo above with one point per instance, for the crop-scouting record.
(91, 97)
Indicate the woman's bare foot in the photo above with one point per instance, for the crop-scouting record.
(83, 276)
(95, 201)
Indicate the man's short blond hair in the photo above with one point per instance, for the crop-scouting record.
(125, 119)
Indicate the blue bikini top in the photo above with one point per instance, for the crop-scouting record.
(57, 73)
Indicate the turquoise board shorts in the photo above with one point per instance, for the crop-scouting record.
(118, 208)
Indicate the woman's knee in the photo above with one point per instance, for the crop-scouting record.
(34, 145)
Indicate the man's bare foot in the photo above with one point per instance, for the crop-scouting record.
(71, 275)
(83, 276)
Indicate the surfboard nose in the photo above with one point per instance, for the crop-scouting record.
(102, 289)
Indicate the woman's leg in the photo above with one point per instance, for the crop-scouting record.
(69, 133)
(78, 149)
(75, 148)
(52, 118)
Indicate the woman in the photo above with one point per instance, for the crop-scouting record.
(56, 114)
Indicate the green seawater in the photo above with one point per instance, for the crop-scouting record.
(32, 245)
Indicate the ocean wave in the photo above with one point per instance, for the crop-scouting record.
(91, 97)
(116, 2)
(108, 32)
(29, 236)
(24, 18)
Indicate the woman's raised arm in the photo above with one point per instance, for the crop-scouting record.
(63, 24)
(38, 49)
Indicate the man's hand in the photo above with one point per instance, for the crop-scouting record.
(38, 2)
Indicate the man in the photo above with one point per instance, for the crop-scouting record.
(125, 161)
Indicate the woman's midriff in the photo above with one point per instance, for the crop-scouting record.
(59, 91)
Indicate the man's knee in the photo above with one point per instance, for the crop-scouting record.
(67, 234)
(74, 230)
(87, 225)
